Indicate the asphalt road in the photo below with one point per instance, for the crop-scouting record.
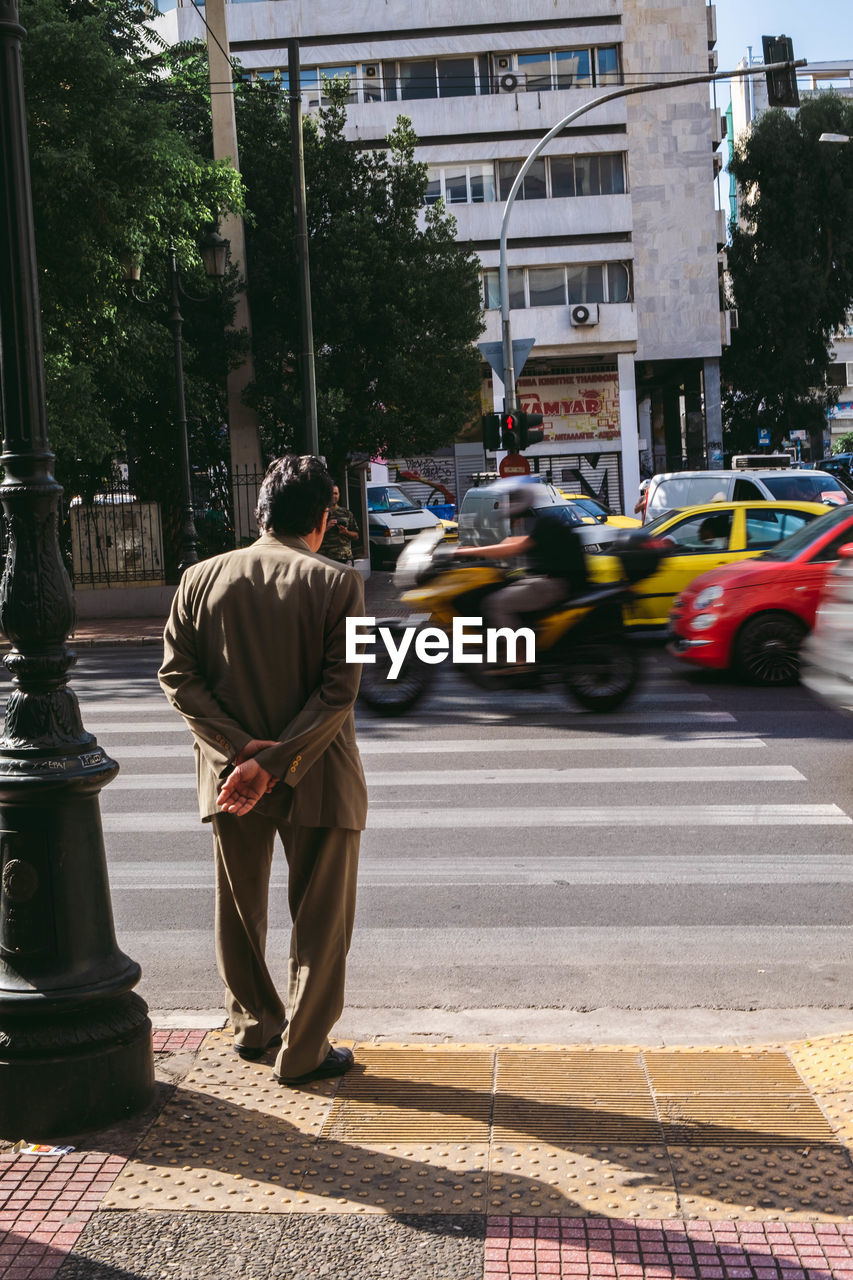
(528, 867)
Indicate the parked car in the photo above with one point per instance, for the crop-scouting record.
(753, 617)
(827, 655)
(483, 519)
(700, 539)
(681, 489)
(393, 519)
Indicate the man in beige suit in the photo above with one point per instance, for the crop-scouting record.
(255, 663)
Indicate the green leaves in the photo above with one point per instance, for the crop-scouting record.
(791, 270)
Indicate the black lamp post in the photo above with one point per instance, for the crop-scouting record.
(75, 1040)
(214, 253)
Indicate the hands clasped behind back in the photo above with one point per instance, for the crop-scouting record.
(248, 781)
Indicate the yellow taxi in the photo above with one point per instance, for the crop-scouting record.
(594, 512)
(699, 539)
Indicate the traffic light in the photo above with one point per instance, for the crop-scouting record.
(527, 434)
(510, 432)
(492, 430)
(781, 85)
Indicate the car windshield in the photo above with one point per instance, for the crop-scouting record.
(591, 507)
(801, 486)
(567, 513)
(790, 548)
(653, 526)
(389, 498)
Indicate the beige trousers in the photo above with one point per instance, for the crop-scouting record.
(322, 867)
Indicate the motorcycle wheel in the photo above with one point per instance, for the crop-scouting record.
(601, 675)
(389, 697)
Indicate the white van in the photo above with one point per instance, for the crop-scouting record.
(679, 489)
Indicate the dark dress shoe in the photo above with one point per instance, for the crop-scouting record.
(336, 1063)
(252, 1053)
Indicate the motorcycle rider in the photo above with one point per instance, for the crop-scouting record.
(554, 553)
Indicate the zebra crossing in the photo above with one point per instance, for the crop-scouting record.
(520, 854)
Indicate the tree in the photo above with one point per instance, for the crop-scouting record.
(395, 300)
(114, 179)
(791, 271)
(844, 444)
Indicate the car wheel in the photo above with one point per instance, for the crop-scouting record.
(768, 649)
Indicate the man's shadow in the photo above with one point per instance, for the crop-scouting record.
(667, 1164)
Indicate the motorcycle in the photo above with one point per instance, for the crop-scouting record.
(580, 645)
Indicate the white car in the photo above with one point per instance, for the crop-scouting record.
(393, 519)
(679, 489)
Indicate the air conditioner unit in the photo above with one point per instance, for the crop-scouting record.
(849, 373)
(371, 70)
(583, 313)
(512, 82)
(502, 62)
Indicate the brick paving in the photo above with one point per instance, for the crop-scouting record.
(178, 1041)
(45, 1202)
(518, 1248)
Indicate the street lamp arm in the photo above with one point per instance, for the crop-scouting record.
(624, 91)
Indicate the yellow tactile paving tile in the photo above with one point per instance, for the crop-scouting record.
(404, 1093)
(573, 1096)
(715, 1071)
(396, 1178)
(533, 1130)
(766, 1183)
(538, 1179)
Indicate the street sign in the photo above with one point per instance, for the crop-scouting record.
(494, 353)
(514, 465)
(764, 435)
(798, 435)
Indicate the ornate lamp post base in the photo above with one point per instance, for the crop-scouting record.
(75, 1041)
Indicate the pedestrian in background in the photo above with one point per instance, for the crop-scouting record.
(341, 531)
(255, 662)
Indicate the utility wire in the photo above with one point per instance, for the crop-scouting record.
(200, 13)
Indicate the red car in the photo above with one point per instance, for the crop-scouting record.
(753, 615)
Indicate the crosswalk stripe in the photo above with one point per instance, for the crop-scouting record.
(464, 746)
(433, 819)
(504, 777)
(512, 870)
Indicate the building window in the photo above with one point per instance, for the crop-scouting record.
(459, 77)
(437, 78)
(535, 184)
(560, 285)
(553, 177)
(569, 68)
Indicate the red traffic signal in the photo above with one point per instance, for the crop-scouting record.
(510, 431)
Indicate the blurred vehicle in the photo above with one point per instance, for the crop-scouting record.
(839, 465)
(700, 539)
(393, 519)
(595, 512)
(483, 517)
(681, 489)
(827, 655)
(580, 644)
(754, 616)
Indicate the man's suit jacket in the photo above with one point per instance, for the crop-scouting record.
(255, 648)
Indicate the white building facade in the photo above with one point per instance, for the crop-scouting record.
(617, 216)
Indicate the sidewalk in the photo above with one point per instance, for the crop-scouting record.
(469, 1162)
(380, 600)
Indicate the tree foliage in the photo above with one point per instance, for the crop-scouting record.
(114, 178)
(395, 299)
(791, 270)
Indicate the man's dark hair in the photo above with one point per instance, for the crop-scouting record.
(295, 493)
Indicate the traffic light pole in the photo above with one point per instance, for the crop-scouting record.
(510, 403)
